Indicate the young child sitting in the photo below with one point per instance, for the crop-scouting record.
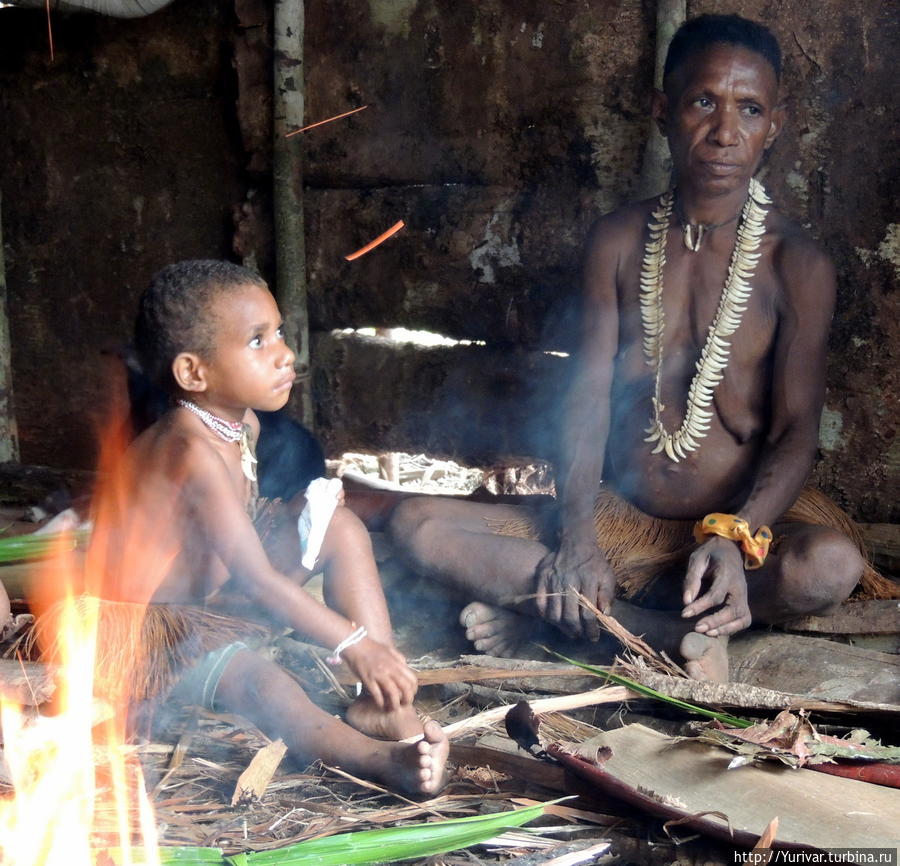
(211, 334)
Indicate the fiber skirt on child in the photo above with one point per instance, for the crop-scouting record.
(148, 652)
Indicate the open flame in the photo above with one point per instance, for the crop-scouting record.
(79, 793)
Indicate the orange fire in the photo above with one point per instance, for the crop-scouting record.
(79, 794)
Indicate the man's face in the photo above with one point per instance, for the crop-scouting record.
(719, 112)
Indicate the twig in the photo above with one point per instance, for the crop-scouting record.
(379, 240)
(50, 31)
(327, 120)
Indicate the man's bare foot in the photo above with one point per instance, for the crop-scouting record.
(421, 767)
(366, 716)
(493, 630)
(706, 658)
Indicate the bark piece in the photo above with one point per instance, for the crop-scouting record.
(674, 780)
(252, 783)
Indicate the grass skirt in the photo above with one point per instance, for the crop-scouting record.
(142, 650)
(641, 548)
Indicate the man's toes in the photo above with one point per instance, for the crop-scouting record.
(489, 644)
(482, 631)
(499, 645)
(706, 658)
(476, 613)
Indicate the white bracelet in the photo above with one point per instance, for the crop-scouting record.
(351, 640)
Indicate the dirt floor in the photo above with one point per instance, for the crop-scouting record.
(192, 766)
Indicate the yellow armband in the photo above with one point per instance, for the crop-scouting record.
(755, 547)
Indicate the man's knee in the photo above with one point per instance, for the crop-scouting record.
(820, 569)
(411, 526)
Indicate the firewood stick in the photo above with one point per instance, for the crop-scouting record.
(603, 695)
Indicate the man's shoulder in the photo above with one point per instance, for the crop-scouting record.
(624, 220)
(621, 231)
(796, 255)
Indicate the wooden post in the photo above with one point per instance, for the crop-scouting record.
(657, 164)
(9, 436)
(287, 176)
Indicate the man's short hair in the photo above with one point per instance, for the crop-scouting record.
(700, 33)
(174, 313)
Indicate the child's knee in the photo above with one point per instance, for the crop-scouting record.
(346, 533)
(249, 681)
(345, 524)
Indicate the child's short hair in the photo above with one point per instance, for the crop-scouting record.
(173, 313)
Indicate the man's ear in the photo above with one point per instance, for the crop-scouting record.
(189, 372)
(659, 110)
(775, 126)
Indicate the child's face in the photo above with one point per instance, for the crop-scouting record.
(251, 365)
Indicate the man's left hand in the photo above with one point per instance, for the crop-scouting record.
(719, 562)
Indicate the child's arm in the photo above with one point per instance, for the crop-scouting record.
(230, 533)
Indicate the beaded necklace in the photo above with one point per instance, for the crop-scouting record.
(229, 431)
(715, 353)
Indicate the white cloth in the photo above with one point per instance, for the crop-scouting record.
(322, 497)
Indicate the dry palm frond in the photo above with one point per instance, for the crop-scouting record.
(645, 691)
(632, 643)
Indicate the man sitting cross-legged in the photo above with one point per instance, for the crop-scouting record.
(699, 385)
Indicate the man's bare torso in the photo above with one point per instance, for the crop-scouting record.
(717, 475)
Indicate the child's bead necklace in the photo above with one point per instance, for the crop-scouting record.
(230, 431)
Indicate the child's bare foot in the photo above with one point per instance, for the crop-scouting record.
(420, 767)
(366, 716)
(493, 630)
(706, 658)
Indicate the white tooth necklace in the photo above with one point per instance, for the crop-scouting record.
(715, 353)
(230, 431)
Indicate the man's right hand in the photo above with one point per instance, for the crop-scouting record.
(577, 566)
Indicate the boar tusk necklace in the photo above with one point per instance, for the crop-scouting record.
(733, 302)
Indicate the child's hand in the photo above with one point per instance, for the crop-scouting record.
(384, 673)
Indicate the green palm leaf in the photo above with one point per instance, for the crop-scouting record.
(391, 844)
(36, 546)
(364, 846)
(184, 856)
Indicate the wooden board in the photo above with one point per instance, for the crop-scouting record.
(813, 809)
(815, 667)
(883, 541)
(880, 616)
